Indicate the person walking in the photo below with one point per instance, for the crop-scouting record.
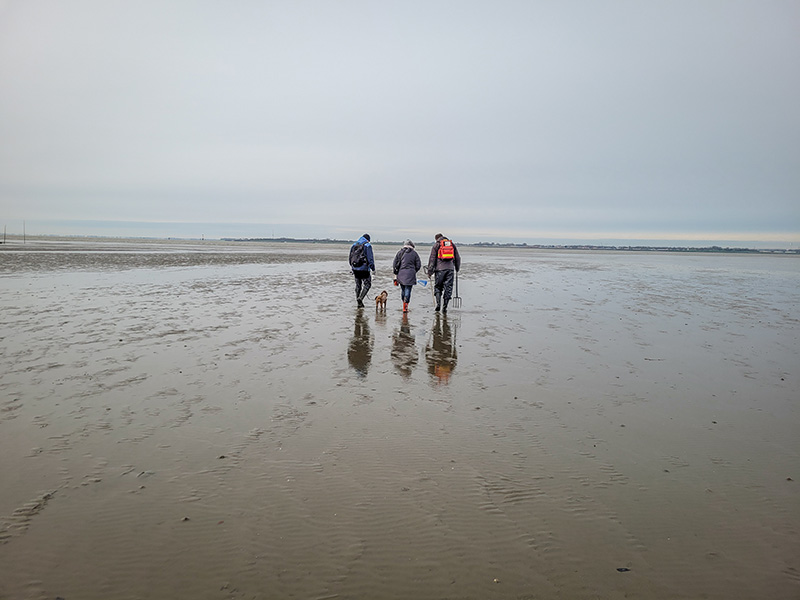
(405, 267)
(362, 262)
(443, 262)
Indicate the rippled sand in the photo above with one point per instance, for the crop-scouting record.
(218, 420)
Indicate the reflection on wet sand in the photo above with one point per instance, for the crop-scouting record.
(440, 351)
(359, 352)
(623, 424)
(404, 349)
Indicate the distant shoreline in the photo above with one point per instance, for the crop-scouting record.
(15, 240)
(707, 249)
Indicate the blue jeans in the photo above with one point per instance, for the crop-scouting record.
(405, 292)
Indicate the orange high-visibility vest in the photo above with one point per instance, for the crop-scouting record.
(446, 251)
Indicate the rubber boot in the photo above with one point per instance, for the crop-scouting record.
(438, 302)
(444, 308)
(405, 306)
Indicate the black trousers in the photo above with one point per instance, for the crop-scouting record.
(444, 285)
(363, 283)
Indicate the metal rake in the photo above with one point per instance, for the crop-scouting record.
(456, 300)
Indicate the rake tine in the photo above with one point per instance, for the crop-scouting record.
(456, 299)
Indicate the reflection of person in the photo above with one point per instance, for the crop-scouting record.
(362, 262)
(444, 262)
(441, 350)
(404, 349)
(359, 352)
(405, 267)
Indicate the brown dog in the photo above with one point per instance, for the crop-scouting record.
(380, 300)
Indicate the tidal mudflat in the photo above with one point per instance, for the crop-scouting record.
(218, 420)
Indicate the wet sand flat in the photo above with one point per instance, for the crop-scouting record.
(218, 420)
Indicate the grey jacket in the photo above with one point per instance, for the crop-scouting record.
(405, 266)
(434, 264)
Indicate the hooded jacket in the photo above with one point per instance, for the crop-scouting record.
(370, 266)
(406, 264)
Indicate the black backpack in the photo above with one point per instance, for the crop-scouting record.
(358, 255)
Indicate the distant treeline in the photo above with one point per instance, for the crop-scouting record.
(304, 241)
(718, 249)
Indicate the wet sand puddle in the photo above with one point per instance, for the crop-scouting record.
(226, 424)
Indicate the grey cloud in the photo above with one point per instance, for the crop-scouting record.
(524, 115)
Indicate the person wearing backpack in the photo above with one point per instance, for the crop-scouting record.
(443, 262)
(405, 267)
(362, 263)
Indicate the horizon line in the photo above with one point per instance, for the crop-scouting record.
(549, 244)
(216, 230)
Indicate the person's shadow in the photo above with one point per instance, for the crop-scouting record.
(440, 352)
(404, 349)
(359, 351)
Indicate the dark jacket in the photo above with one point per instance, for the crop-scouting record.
(434, 264)
(370, 266)
(406, 264)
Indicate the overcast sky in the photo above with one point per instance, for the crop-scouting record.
(498, 119)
